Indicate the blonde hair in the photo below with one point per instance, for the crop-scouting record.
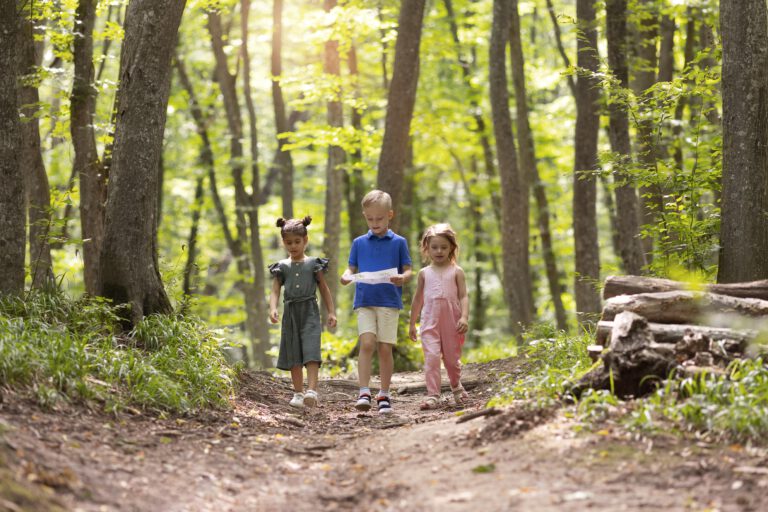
(378, 198)
(444, 230)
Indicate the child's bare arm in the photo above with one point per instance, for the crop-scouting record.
(345, 280)
(325, 293)
(273, 297)
(416, 305)
(461, 285)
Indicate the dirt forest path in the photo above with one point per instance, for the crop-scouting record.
(265, 456)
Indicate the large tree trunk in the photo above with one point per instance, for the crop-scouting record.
(283, 157)
(529, 168)
(334, 171)
(630, 285)
(514, 225)
(93, 188)
(627, 206)
(354, 183)
(35, 178)
(587, 251)
(12, 235)
(744, 226)
(129, 271)
(400, 102)
(672, 333)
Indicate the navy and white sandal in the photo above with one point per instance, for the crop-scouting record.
(363, 402)
(385, 406)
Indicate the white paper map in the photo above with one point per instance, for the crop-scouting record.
(378, 277)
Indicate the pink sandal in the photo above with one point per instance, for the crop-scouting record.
(431, 402)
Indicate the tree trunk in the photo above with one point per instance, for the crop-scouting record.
(353, 179)
(682, 307)
(744, 226)
(671, 333)
(514, 225)
(400, 102)
(190, 269)
(12, 215)
(627, 206)
(629, 285)
(334, 171)
(129, 271)
(651, 196)
(93, 183)
(587, 252)
(688, 55)
(529, 168)
(283, 157)
(245, 205)
(38, 195)
(667, 49)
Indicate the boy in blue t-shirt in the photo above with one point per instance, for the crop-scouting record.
(377, 305)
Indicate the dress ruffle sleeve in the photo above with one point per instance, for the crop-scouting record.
(321, 264)
(277, 272)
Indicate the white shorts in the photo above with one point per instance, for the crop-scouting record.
(380, 321)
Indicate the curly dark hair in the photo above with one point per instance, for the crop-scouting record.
(293, 226)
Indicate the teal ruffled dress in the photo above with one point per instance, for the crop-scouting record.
(302, 326)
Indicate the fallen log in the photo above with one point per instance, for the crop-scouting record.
(682, 307)
(672, 333)
(631, 285)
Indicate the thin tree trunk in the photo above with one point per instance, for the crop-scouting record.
(529, 168)
(744, 225)
(514, 240)
(688, 55)
(627, 206)
(400, 102)
(259, 281)
(587, 253)
(190, 269)
(354, 183)
(129, 272)
(560, 48)
(283, 157)
(93, 184)
(384, 46)
(38, 195)
(12, 214)
(334, 171)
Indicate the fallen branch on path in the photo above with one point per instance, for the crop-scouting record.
(491, 411)
(422, 388)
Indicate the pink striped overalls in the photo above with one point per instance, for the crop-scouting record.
(439, 317)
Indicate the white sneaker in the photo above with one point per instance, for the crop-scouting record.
(310, 398)
(297, 401)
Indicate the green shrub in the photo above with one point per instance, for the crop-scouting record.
(60, 348)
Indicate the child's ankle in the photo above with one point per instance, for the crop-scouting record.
(383, 392)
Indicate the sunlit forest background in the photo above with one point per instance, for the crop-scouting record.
(287, 71)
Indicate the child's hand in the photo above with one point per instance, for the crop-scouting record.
(397, 280)
(331, 321)
(345, 280)
(462, 326)
(412, 333)
(273, 316)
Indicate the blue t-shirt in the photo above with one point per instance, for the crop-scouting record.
(370, 253)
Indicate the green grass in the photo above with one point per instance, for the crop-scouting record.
(60, 349)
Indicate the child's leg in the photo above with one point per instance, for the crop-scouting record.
(452, 359)
(313, 368)
(386, 365)
(297, 377)
(431, 348)
(365, 360)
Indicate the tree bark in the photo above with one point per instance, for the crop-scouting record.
(334, 171)
(629, 285)
(283, 157)
(129, 272)
(682, 307)
(354, 182)
(38, 195)
(627, 206)
(671, 333)
(530, 169)
(744, 225)
(514, 225)
(587, 253)
(93, 183)
(12, 215)
(190, 269)
(400, 102)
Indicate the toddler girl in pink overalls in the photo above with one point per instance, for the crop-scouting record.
(442, 303)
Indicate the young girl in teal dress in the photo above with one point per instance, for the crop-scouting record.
(301, 276)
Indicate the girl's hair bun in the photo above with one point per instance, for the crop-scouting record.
(280, 222)
(306, 220)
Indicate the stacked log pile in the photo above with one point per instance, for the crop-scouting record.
(651, 327)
